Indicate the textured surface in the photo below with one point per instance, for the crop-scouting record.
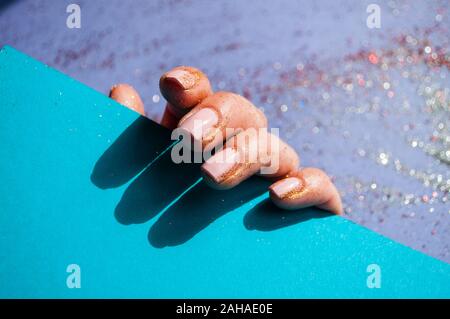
(308, 64)
(68, 196)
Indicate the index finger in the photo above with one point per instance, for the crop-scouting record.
(184, 87)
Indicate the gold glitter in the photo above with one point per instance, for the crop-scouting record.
(297, 192)
(235, 172)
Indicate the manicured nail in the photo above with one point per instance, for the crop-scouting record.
(182, 78)
(287, 187)
(199, 124)
(218, 166)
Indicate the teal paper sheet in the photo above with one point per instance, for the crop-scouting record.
(85, 181)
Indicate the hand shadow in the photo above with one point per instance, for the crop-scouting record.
(200, 207)
(267, 217)
(141, 156)
(130, 153)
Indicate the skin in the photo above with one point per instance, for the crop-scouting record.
(232, 111)
(191, 100)
(127, 95)
(251, 159)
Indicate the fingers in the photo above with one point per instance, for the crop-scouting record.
(251, 151)
(184, 87)
(219, 116)
(305, 188)
(127, 96)
(209, 119)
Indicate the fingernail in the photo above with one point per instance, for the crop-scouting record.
(199, 124)
(182, 78)
(219, 165)
(286, 187)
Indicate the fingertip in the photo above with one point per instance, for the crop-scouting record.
(126, 95)
(180, 78)
(220, 169)
(286, 192)
(334, 204)
(184, 87)
(309, 187)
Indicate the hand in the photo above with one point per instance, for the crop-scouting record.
(193, 105)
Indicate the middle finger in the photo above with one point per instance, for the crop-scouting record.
(219, 117)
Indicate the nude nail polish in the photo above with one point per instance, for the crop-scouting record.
(289, 185)
(183, 78)
(199, 124)
(218, 166)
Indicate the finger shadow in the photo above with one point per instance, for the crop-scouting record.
(267, 217)
(200, 207)
(141, 155)
(154, 189)
(130, 153)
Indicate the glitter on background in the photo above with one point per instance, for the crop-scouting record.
(370, 107)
